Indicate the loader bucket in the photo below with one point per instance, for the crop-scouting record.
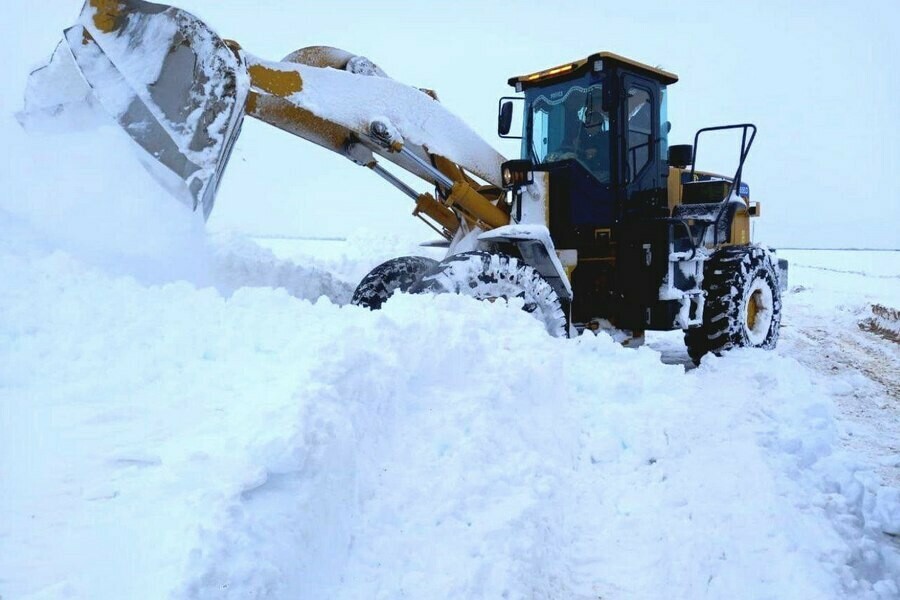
(174, 86)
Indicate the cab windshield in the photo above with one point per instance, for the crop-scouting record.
(566, 121)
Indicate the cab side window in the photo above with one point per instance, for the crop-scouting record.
(640, 130)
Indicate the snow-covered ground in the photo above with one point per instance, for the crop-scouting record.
(842, 323)
(845, 326)
(193, 415)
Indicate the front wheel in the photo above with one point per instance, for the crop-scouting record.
(395, 275)
(743, 303)
(487, 276)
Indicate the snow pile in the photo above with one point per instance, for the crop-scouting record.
(240, 262)
(353, 258)
(169, 440)
(85, 193)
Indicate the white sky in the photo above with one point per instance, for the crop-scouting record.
(819, 79)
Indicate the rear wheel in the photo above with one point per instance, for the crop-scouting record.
(487, 276)
(743, 303)
(395, 275)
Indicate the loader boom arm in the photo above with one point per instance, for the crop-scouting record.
(279, 97)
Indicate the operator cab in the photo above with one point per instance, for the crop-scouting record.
(600, 124)
(596, 130)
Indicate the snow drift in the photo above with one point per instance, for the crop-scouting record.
(170, 441)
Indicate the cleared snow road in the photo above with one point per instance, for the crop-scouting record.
(844, 324)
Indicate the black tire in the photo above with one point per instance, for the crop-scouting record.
(484, 276)
(743, 303)
(395, 275)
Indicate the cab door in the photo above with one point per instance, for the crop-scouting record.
(640, 161)
(642, 257)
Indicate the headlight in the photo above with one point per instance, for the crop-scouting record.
(516, 173)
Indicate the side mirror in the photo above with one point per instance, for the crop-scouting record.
(504, 120)
(505, 116)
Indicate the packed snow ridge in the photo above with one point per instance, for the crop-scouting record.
(190, 416)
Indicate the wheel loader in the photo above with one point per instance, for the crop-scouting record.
(599, 223)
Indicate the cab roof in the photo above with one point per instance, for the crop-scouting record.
(585, 64)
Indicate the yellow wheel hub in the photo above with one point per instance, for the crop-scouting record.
(753, 307)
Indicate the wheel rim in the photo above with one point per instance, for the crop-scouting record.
(753, 308)
(759, 310)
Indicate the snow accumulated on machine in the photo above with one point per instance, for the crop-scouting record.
(598, 222)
